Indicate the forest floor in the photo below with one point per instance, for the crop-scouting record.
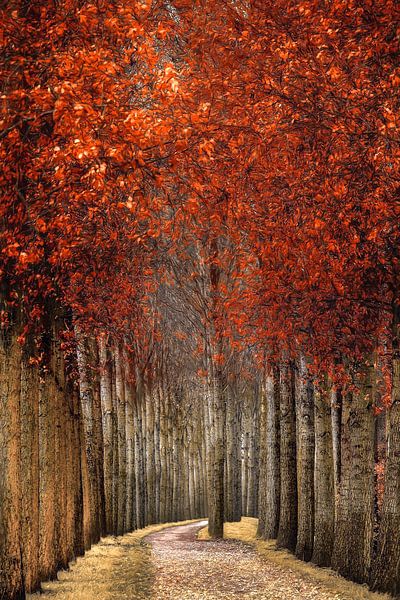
(164, 564)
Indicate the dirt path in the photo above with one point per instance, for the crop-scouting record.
(189, 569)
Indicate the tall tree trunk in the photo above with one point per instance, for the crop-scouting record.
(164, 467)
(386, 569)
(252, 495)
(354, 524)
(47, 456)
(30, 467)
(130, 451)
(121, 433)
(61, 455)
(98, 436)
(233, 497)
(86, 385)
(336, 407)
(216, 471)
(150, 456)
(12, 585)
(287, 532)
(176, 501)
(237, 469)
(262, 490)
(139, 451)
(115, 447)
(324, 479)
(273, 472)
(76, 475)
(305, 461)
(107, 425)
(245, 459)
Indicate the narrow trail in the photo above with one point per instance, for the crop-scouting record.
(190, 569)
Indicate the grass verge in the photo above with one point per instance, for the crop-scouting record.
(246, 531)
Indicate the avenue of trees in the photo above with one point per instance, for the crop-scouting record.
(199, 277)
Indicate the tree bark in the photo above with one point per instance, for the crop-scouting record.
(30, 467)
(216, 467)
(324, 479)
(121, 435)
(130, 451)
(12, 584)
(107, 426)
(76, 475)
(336, 408)
(233, 496)
(305, 461)
(252, 495)
(354, 524)
(287, 532)
(115, 448)
(98, 436)
(273, 456)
(86, 385)
(386, 569)
(150, 456)
(47, 455)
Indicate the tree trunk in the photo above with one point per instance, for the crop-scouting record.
(336, 408)
(262, 490)
(121, 435)
(130, 452)
(139, 451)
(98, 436)
(164, 467)
(252, 495)
(273, 472)
(107, 425)
(76, 475)
(12, 585)
(324, 479)
(115, 448)
(354, 524)
(287, 532)
(47, 456)
(61, 455)
(30, 468)
(86, 386)
(150, 456)
(216, 467)
(245, 458)
(305, 461)
(386, 569)
(233, 496)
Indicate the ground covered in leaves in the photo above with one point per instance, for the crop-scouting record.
(164, 564)
(191, 569)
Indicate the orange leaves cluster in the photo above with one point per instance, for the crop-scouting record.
(78, 145)
(299, 102)
(263, 138)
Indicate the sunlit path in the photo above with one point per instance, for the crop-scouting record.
(189, 569)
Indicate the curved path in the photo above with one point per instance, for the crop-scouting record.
(189, 569)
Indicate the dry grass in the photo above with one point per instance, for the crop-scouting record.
(116, 568)
(246, 531)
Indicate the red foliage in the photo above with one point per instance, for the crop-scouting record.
(264, 135)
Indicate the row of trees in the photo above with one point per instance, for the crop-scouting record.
(98, 439)
(319, 491)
